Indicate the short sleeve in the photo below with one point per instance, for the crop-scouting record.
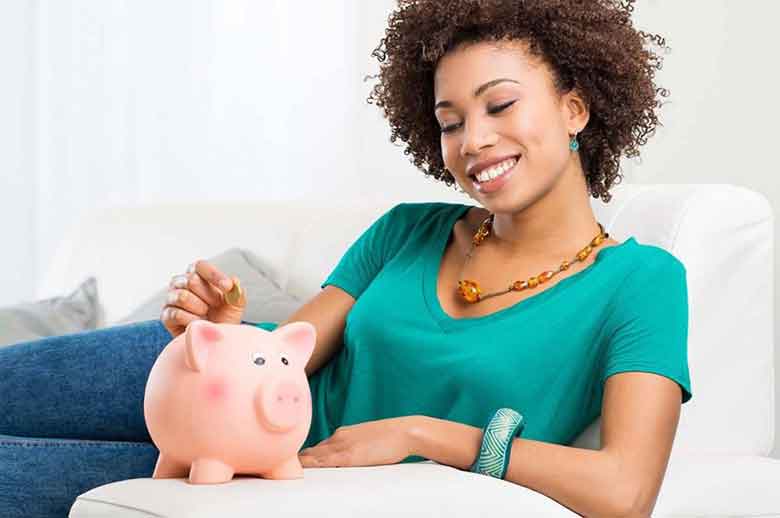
(648, 326)
(366, 256)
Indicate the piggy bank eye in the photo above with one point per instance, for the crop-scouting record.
(284, 361)
(257, 359)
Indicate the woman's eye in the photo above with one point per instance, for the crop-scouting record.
(257, 359)
(501, 107)
(492, 111)
(284, 361)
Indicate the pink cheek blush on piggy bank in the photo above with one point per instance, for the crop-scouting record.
(227, 399)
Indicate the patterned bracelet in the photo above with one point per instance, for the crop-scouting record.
(502, 427)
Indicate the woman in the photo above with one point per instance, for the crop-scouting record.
(439, 314)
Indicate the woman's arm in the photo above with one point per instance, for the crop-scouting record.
(583, 480)
(327, 312)
(620, 480)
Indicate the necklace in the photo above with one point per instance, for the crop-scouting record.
(472, 293)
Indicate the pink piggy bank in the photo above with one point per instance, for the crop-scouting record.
(226, 399)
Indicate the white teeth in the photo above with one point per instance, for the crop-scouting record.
(497, 170)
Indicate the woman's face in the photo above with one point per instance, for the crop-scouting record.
(521, 116)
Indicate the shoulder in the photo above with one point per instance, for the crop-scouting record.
(652, 260)
(407, 222)
(418, 212)
(653, 274)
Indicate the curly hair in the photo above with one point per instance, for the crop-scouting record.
(588, 45)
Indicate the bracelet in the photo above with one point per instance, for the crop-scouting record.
(501, 429)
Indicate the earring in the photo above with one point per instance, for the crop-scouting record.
(573, 144)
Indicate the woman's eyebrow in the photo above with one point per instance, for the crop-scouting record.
(479, 91)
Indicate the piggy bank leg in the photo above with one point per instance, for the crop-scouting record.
(288, 469)
(210, 471)
(169, 468)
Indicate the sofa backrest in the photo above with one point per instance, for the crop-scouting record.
(722, 233)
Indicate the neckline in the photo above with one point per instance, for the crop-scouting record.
(435, 256)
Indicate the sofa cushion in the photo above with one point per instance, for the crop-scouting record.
(695, 485)
(77, 311)
(266, 301)
(424, 489)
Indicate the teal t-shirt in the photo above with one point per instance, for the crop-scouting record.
(547, 356)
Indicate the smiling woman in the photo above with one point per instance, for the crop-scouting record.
(529, 106)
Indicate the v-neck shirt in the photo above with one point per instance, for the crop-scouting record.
(546, 356)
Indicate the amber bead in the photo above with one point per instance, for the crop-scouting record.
(519, 285)
(565, 265)
(584, 253)
(533, 282)
(469, 290)
(546, 276)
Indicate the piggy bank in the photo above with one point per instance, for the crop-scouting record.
(227, 399)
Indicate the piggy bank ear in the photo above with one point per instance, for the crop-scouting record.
(299, 339)
(200, 337)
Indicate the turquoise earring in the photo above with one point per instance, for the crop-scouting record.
(573, 144)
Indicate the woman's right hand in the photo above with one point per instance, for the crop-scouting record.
(198, 295)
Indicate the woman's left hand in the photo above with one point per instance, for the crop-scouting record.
(373, 443)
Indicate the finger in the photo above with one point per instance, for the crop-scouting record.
(209, 293)
(168, 324)
(178, 318)
(194, 283)
(317, 450)
(187, 300)
(174, 330)
(308, 461)
(211, 274)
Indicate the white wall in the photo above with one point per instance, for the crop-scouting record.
(107, 102)
(17, 152)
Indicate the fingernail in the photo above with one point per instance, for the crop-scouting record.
(226, 284)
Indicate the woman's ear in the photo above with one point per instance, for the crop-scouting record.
(576, 111)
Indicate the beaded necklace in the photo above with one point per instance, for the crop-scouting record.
(471, 292)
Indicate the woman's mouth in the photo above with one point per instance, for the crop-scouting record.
(493, 179)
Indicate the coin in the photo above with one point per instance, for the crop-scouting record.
(234, 295)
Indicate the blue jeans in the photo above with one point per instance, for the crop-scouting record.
(71, 415)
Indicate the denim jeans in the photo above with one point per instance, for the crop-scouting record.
(71, 415)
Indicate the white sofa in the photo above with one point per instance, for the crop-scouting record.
(719, 465)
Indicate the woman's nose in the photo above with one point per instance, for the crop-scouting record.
(476, 137)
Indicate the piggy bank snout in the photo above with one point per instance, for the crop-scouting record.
(283, 405)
